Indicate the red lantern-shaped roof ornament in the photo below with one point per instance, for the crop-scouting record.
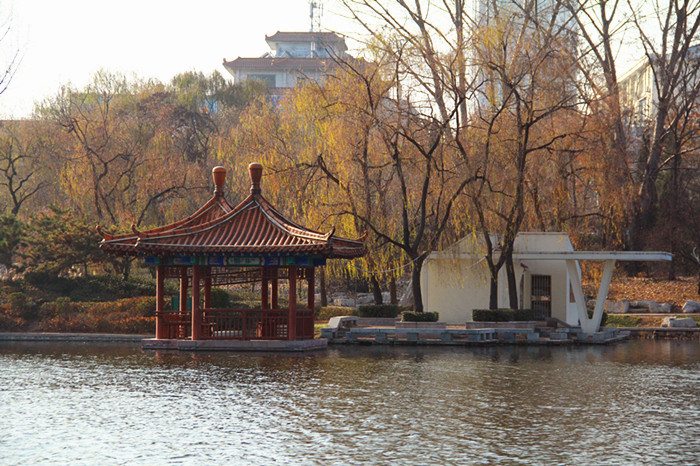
(252, 228)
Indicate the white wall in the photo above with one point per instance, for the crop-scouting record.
(454, 285)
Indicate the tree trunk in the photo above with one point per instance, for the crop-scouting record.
(126, 270)
(392, 291)
(376, 290)
(493, 291)
(415, 283)
(512, 286)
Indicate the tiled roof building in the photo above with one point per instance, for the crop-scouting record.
(221, 244)
(293, 56)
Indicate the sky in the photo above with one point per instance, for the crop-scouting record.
(67, 41)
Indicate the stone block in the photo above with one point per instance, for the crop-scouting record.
(365, 298)
(345, 302)
(534, 336)
(620, 307)
(446, 337)
(685, 322)
(691, 306)
(651, 307)
(380, 337)
(412, 337)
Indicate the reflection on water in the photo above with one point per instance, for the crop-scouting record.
(636, 402)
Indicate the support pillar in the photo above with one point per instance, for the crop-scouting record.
(196, 312)
(183, 291)
(182, 329)
(292, 318)
(310, 287)
(264, 289)
(275, 288)
(161, 331)
(591, 325)
(207, 289)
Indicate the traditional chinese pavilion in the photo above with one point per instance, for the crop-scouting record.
(221, 244)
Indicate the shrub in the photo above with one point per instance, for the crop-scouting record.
(220, 298)
(17, 306)
(12, 324)
(523, 315)
(91, 288)
(410, 316)
(379, 310)
(501, 315)
(146, 307)
(325, 313)
(60, 308)
(131, 315)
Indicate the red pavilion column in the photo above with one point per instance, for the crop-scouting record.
(264, 289)
(160, 302)
(207, 289)
(183, 291)
(310, 285)
(182, 308)
(292, 325)
(275, 287)
(196, 312)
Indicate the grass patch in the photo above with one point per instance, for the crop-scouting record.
(317, 329)
(623, 321)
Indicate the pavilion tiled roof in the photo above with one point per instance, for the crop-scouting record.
(252, 228)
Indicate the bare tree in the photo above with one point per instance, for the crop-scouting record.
(675, 63)
(21, 152)
(524, 57)
(14, 60)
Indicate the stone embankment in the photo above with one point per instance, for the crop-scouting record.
(74, 337)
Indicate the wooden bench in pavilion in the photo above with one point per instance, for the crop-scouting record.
(220, 245)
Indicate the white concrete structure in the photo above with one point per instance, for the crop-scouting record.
(456, 281)
(293, 57)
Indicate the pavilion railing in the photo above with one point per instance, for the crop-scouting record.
(255, 324)
(176, 325)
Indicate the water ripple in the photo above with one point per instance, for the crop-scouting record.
(111, 404)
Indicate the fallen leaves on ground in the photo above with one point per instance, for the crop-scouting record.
(676, 292)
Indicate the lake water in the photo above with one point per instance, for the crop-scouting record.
(636, 402)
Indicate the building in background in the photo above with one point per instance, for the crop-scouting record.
(639, 89)
(293, 57)
(505, 27)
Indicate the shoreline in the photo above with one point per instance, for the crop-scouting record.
(74, 337)
(636, 333)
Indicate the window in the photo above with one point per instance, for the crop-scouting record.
(268, 79)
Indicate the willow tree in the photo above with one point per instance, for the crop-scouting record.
(121, 161)
(524, 56)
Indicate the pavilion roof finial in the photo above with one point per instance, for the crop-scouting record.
(219, 175)
(256, 170)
